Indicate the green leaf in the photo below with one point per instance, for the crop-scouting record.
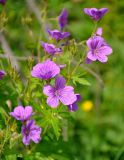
(80, 80)
(56, 127)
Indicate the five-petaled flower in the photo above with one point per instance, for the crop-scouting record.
(2, 74)
(98, 49)
(57, 35)
(63, 19)
(31, 131)
(73, 107)
(59, 92)
(50, 48)
(21, 113)
(46, 70)
(94, 13)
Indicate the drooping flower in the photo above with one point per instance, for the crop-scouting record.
(98, 49)
(2, 74)
(57, 35)
(94, 13)
(2, 2)
(45, 70)
(59, 92)
(31, 132)
(63, 19)
(50, 48)
(21, 113)
(73, 107)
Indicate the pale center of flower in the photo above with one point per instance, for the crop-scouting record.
(95, 51)
(56, 93)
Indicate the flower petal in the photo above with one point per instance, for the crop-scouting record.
(60, 82)
(73, 107)
(18, 113)
(102, 58)
(26, 140)
(48, 90)
(106, 50)
(67, 95)
(28, 112)
(91, 56)
(53, 101)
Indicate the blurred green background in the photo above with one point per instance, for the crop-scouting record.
(97, 134)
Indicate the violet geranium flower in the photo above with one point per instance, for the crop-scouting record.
(59, 92)
(2, 74)
(30, 131)
(2, 2)
(45, 70)
(63, 19)
(57, 35)
(50, 48)
(94, 13)
(98, 49)
(21, 113)
(73, 107)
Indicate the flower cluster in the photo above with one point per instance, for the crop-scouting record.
(98, 49)
(55, 87)
(30, 130)
(48, 69)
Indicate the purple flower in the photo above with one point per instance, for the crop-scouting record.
(63, 19)
(50, 48)
(59, 92)
(30, 131)
(55, 34)
(2, 2)
(2, 74)
(98, 49)
(73, 107)
(95, 13)
(45, 70)
(21, 113)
